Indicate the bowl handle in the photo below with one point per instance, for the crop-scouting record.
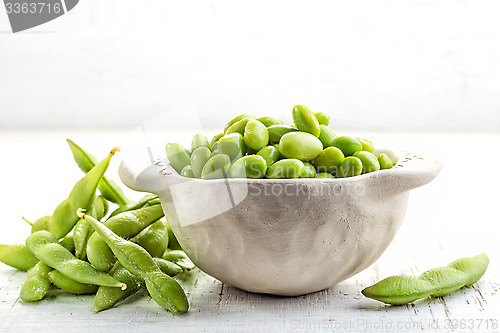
(145, 177)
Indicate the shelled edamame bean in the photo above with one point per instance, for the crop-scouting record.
(236, 152)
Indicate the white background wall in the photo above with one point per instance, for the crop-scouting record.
(411, 65)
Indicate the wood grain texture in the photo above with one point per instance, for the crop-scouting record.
(453, 216)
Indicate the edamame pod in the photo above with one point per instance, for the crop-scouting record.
(168, 267)
(233, 145)
(187, 171)
(348, 144)
(286, 168)
(270, 121)
(65, 283)
(385, 161)
(239, 126)
(108, 188)
(199, 158)
(326, 136)
(300, 145)
(126, 225)
(17, 256)
(47, 249)
(439, 281)
(251, 166)
(179, 258)
(329, 160)
(41, 224)
(236, 119)
(83, 230)
(154, 238)
(134, 205)
(271, 154)
(370, 161)
(163, 289)
(305, 120)
(37, 283)
(64, 219)
(216, 167)
(351, 166)
(277, 131)
(309, 171)
(199, 140)
(177, 155)
(323, 118)
(256, 135)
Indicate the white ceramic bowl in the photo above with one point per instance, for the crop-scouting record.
(284, 237)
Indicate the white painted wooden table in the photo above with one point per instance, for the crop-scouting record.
(454, 216)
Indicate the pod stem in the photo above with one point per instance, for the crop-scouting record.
(25, 220)
(114, 150)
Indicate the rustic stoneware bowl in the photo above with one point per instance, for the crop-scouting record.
(284, 237)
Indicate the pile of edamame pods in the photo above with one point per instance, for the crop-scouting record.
(265, 147)
(83, 249)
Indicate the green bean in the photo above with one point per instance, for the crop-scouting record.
(251, 166)
(385, 161)
(239, 126)
(436, 282)
(236, 119)
(367, 144)
(179, 258)
(270, 153)
(323, 118)
(199, 158)
(17, 256)
(64, 219)
(187, 171)
(83, 230)
(163, 289)
(134, 205)
(65, 283)
(348, 144)
(108, 188)
(286, 168)
(233, 145)
(47, 249)
(37, 282)
(351, 166)
(216, 167)
(277, 131)
(309, 171)
(199, 140)
(177, 155)
(300, 145)
(256, 135)
(370, 162)
(154, 238)
(326, 136)
(270, 121)
(329, 160)
(127, 225)
(305, 120)
(324, 175)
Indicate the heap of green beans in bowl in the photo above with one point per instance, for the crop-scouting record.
(265, 147)
(83, 248)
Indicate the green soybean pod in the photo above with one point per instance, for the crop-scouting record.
(41, 224)
(233, 145)
(348, 144)
(179, 258)
(86, 161)
(65, 283)
(309, 171)
(168, 267)
(17, 256)
(47, 249)
(270, 153)
(286, 168)
(300, 145)
(239, 126)
(68, 242)
(163, 289)
(199, 157)
(367, 144)
(270, 121)
(37, 283)
(251, 166)
(256, 135)
(216, 167)
(435, 282)
(134, 205)
(385, 161)
(187, 171)
(329, 160)
(370, 161)
(64, 219)
(177, 155)
(326, 136)
(305, 120)
(154, 238)
(199, 140)
(236, 119)
(324, 175)
(277, 131)
(83, 230)
(323, 118)
(351, 166)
